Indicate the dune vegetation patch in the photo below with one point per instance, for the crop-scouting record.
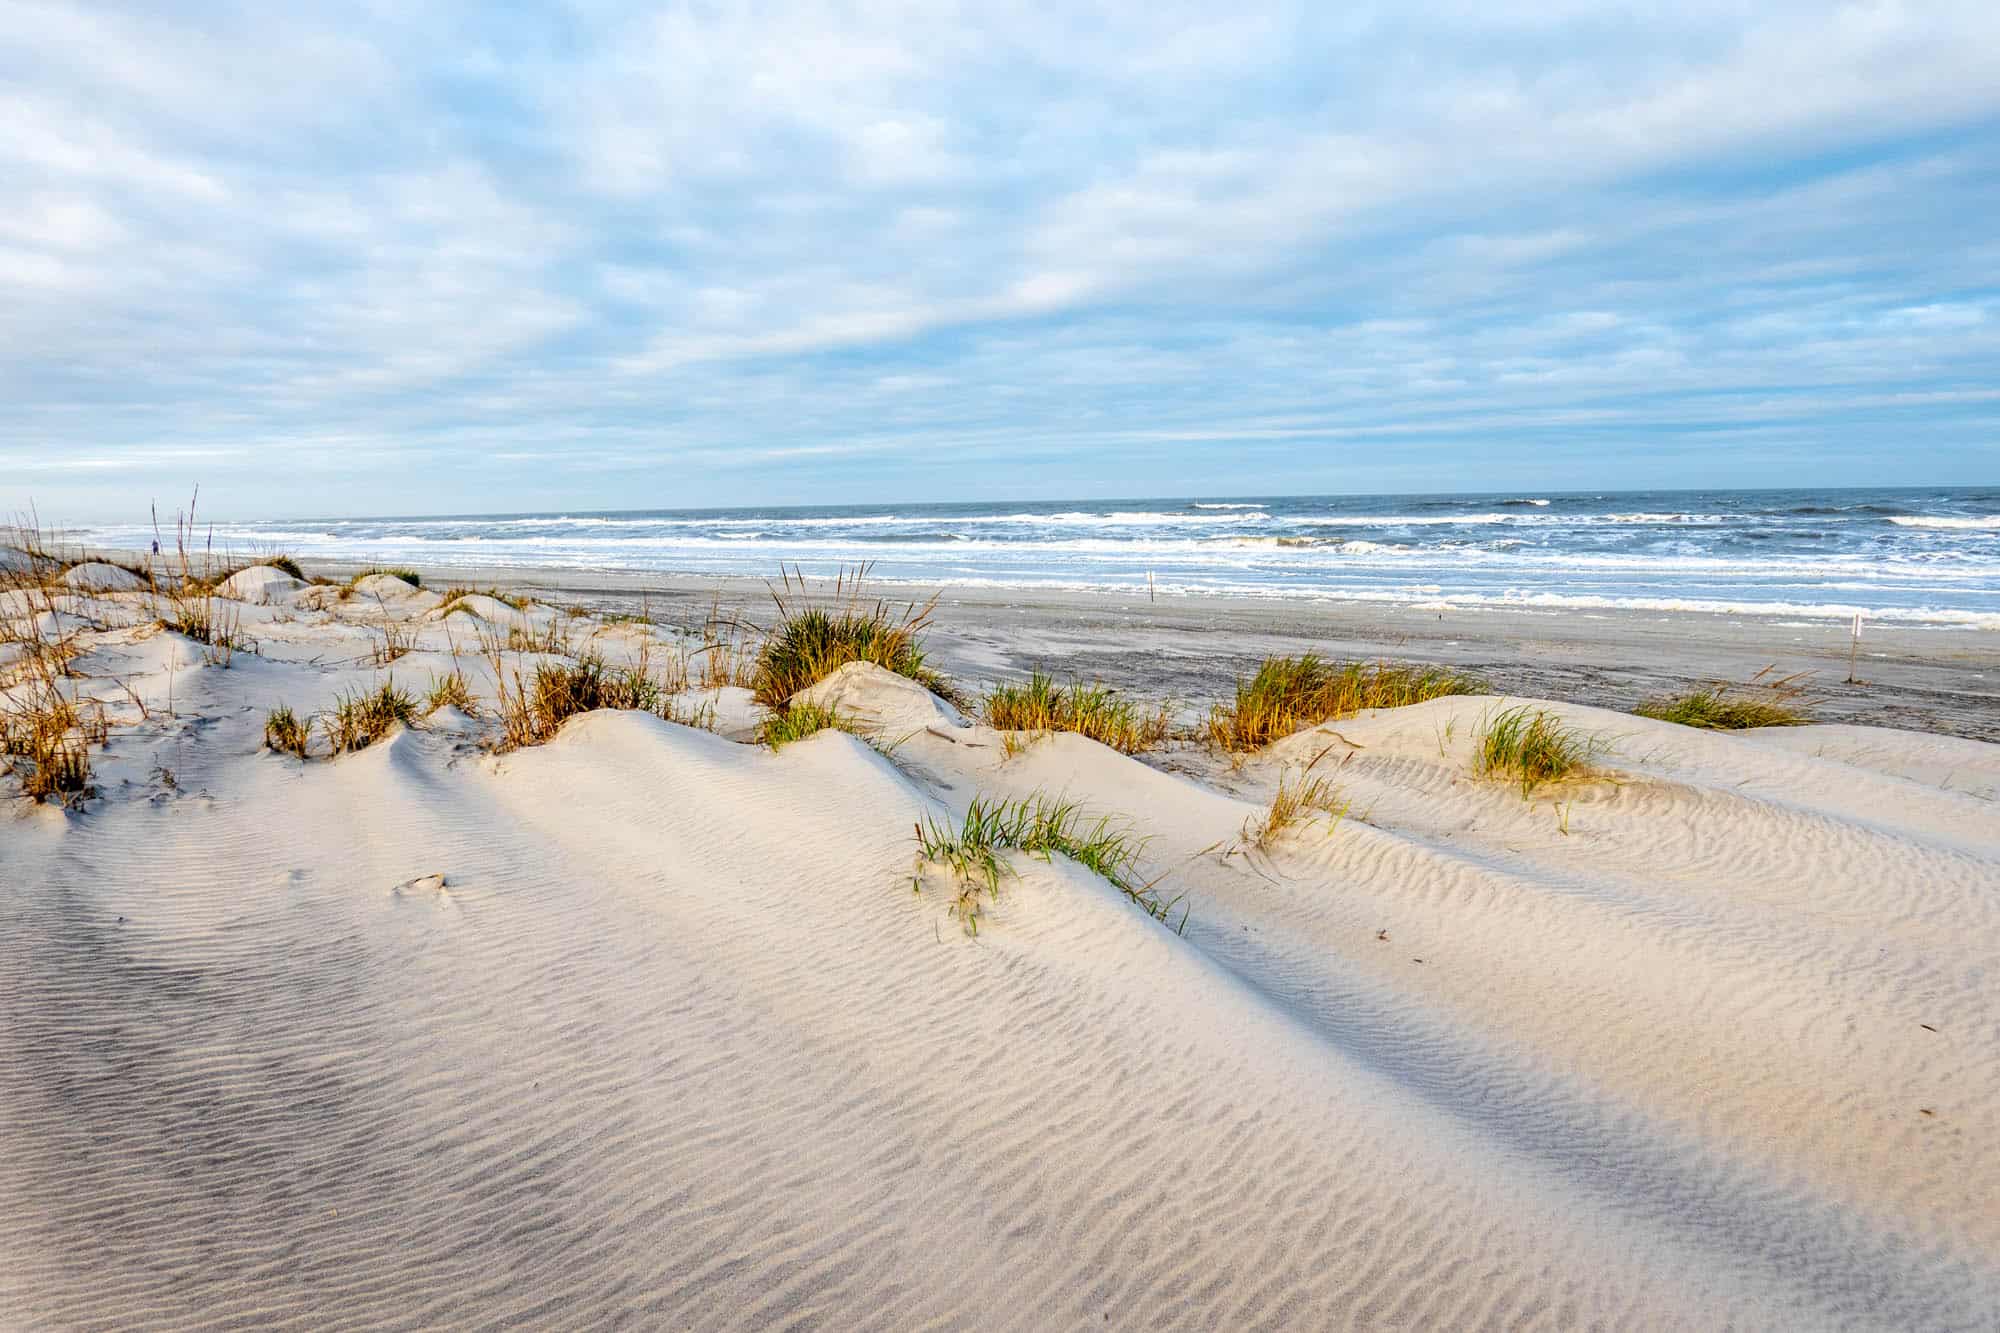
(450, 690)
(455, 599)
(1094, 710)
(409, 576)
(1533, 746)
(284, 733)
(1761, 702)
(1290, 694)
(797, 722)
(46, 736)
(533, 708)
(361, 718)
(1299, 798)
(809, 643)
(971, 850)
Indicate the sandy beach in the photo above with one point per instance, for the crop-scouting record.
(1187, 650)
(644, 1024)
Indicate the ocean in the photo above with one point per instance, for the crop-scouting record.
(1922, 556)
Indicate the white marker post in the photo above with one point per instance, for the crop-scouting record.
(1853, 646)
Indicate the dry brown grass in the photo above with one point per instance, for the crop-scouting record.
(285, 734)
(1299, 797)
(1290, 694)
(451, 690)
(728, 652)
(533, 706)
(46, 728)
(184, 598)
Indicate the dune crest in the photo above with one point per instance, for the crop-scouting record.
(647, 1023)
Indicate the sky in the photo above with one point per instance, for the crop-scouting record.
(401, 258)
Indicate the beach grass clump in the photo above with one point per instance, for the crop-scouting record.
(1290, 694)
(560, 691)
(454, 599)
(1094, 710)
(797, 722)
(1039, 825)
(1533, 746)
(1298, 798)
(532, 709)
(397, 642)
(361, 718)
(184, 598)
(1763, 701)
(809, 643)
(450, 690)
(1714, 710)
(50, 736)
(284, 564)
(284, 733)
(409, 576)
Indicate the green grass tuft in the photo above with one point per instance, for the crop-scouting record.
(1088, 710)
(409, 576)
(1040, 826)
(811, 643)
(1290, 694)
(798, 722)
(284, 733)
(284, 564)
(451, 691)
(1716, 709)
(359, 720)
(1532, 746)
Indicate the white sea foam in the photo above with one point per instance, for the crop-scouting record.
(1984, 522)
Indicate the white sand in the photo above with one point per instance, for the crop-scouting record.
(1711, 1040)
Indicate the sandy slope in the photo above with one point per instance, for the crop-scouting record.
(1713, 1040)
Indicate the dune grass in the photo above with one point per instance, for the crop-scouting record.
(184, 595)
(46, 730)
(409, 576)
(450, 690)
(728, 654)
(532, 709)
(801, 720)
(809, 643)
(1095, 711)
(284, 733)
(1533, 746)
(1763, 701)
(1298, 798)
(454, 599)
(397, 640)
(284, 564)
(1290, 694)
(359, 719)
(1041, 826)
(51, 734)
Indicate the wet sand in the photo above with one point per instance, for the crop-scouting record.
(1188, 649)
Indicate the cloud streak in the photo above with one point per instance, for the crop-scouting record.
(764, 252)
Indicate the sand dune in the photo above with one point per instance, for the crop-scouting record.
(1711, 1039)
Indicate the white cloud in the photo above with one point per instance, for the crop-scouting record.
(797, 232)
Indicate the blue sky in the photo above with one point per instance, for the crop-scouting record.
(424, 258)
